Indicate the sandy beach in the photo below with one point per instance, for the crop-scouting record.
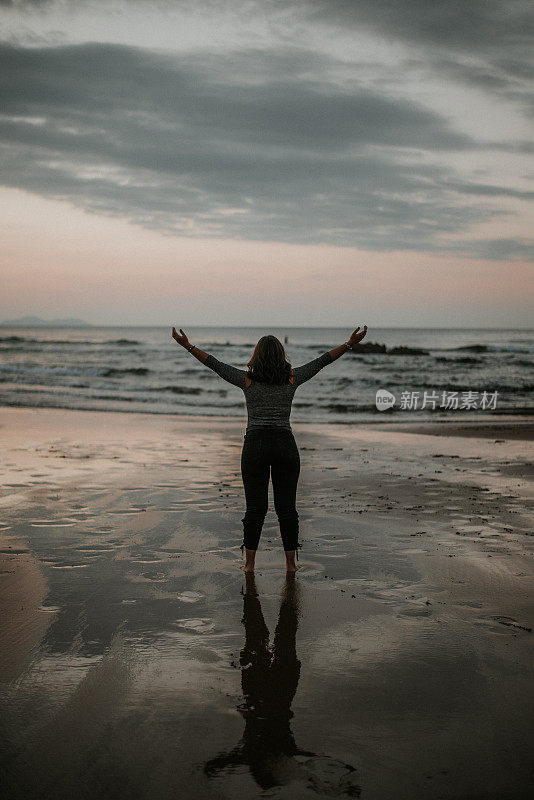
(137, 661)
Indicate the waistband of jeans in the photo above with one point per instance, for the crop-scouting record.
(268, 430)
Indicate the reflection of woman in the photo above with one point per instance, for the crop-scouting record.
(269, 680)
(269, 448)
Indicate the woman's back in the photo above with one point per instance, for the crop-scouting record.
(268, 405)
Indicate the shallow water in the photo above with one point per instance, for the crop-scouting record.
(143, 369)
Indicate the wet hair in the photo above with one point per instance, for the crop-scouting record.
(269, 363)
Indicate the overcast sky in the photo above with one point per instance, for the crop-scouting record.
(315, 162)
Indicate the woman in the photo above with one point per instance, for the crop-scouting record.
(269, 445)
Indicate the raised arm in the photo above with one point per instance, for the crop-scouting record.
(225, 371)
(353, 340)
(307, 371)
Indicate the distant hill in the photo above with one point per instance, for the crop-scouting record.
(66, 322)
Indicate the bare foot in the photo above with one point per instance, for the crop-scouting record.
(292, 567)
(247, 569)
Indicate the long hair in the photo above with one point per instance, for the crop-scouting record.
(269, 363)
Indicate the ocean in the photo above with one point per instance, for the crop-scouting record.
(467, 374)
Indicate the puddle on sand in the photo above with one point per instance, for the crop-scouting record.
(190, 597)
(414, 611)
(119, 511)
(203, 625)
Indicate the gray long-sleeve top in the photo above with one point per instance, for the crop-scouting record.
(268, 405)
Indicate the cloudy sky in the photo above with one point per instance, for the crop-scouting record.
(315, 162)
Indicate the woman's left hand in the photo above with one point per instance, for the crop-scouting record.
(357, 337)
(181, 339)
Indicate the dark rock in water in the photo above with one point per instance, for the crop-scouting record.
(402, 350)
(369, 347)
(474, 348)
(407, 351)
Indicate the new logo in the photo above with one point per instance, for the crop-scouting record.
(384, 399)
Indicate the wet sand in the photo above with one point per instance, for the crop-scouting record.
(510, 429)
(138, 661)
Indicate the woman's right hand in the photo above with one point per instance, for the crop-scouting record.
(181, 338)
(357, 337)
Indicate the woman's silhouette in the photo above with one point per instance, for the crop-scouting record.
(269, 680)
(269, 447)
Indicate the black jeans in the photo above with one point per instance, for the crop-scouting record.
(274, 451)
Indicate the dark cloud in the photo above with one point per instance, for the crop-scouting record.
(254, 145)
(459, 24)
(488, 44)
(484, 43)
(244, 95)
